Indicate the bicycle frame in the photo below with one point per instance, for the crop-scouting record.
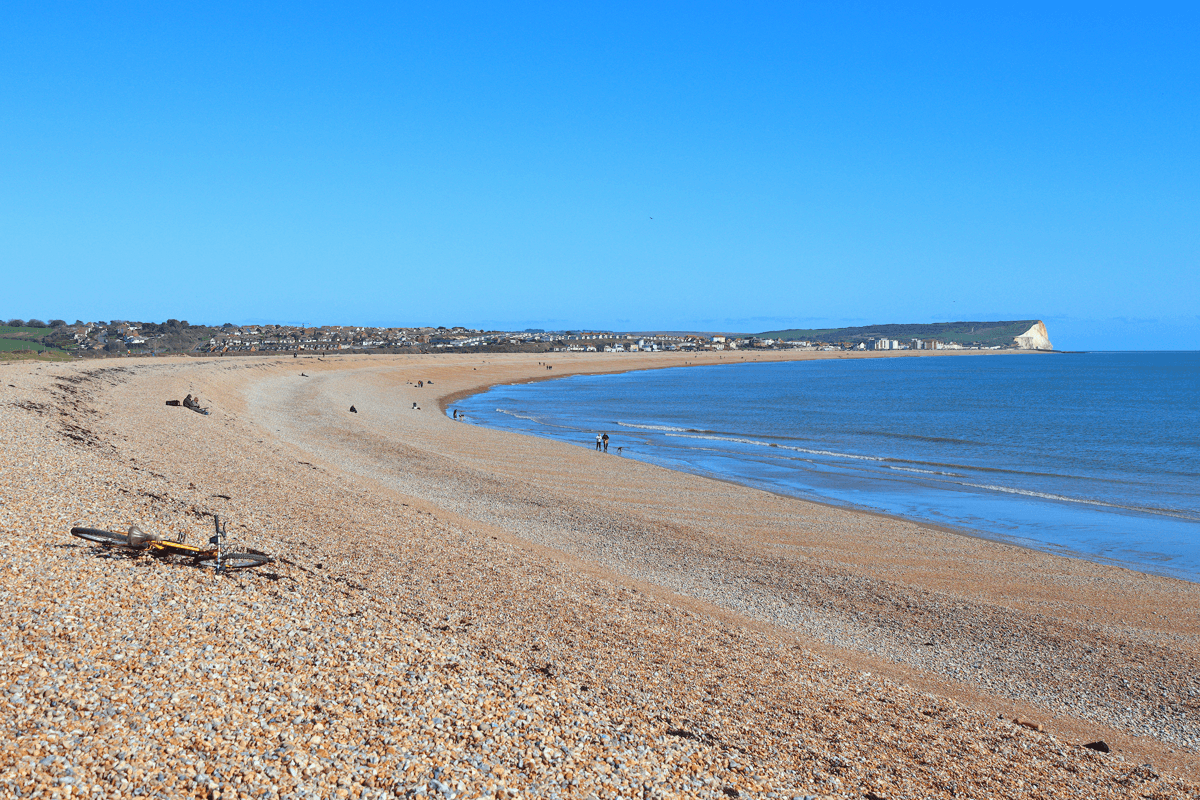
(215, 555)
(165, 547)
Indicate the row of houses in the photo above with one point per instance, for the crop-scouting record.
(918, 344)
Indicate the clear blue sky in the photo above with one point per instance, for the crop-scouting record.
(735, 167)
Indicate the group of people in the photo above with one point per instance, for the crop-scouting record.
(602, 443)
(194, 404)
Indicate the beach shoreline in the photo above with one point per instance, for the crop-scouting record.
(746, 620)
(1149, 568)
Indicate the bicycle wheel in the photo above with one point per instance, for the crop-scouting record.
(235, 561)
(100, 537)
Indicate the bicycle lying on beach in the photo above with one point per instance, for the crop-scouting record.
(155, 545)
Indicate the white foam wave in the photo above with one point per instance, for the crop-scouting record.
(757, 443)
(651, 427)
(518, 416)
(1166, 512)
(986, 486)
(926, 471)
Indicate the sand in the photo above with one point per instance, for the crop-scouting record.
(465, 612)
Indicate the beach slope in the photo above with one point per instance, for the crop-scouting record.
(475, 612)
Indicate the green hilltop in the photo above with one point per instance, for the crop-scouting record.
(987, 334)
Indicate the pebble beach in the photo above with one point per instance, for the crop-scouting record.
(454, 611)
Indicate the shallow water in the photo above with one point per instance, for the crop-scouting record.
(1090, 454)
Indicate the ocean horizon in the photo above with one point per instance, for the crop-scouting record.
(1093, 455)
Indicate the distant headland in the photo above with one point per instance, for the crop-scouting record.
(1028, 334)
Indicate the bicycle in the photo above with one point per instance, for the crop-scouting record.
(159, 547)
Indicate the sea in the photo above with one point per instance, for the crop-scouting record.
(1092, 455)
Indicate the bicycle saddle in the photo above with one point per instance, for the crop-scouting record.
(139, 538)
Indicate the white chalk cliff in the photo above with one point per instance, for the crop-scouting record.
(1036, 338)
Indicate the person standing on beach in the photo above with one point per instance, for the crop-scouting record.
(597, 443)
(606, 442)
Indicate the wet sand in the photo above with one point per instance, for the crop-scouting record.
(699, 635)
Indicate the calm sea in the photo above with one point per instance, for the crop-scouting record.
(1092, 454)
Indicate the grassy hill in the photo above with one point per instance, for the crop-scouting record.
(53, 340)
(20, 349)
(6, 330)
(25, 344)
(984, 333)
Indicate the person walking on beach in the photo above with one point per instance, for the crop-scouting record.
(606, 442)
(597, 443)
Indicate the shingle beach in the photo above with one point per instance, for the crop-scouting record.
(461, 612)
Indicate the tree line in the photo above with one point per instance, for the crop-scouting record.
(37, 323)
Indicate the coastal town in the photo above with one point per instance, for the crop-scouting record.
(129, 338)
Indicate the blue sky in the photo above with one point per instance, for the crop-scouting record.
(736, 167)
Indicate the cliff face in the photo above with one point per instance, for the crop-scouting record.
(1036, 338)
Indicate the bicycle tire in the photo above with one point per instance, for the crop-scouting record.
(235, 561)
(100, 537)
